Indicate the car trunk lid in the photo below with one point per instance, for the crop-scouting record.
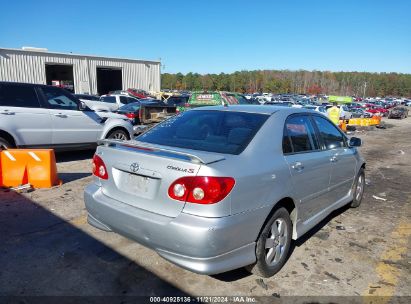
(140, 174)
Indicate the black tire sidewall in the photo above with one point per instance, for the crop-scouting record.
(5, 143)
(356, 203)
(264, 269)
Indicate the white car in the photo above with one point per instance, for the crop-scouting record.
(96, 104)
(118, 100)
(318, 109)
(33, 115)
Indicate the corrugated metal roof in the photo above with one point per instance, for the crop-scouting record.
(79, 55)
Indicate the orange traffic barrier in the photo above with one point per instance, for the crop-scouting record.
(343, 125)
(365, 121)
(36, 167)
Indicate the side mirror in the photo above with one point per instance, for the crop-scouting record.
(355, 142)
(82, 106)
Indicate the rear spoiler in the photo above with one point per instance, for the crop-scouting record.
(149, 149)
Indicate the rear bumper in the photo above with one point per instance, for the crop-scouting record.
(199, 244)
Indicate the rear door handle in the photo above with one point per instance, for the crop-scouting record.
(298, 166)
(60, 115)
(7, 112)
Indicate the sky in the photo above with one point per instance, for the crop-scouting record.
(213, 36)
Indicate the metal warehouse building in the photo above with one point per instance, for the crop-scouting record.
(79, 73)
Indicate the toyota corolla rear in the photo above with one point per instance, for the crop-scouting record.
(172, 189)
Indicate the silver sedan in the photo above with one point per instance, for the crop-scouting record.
(219, 188)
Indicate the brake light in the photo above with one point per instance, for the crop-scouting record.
(131, 115)
(99, 168)
(201, 189)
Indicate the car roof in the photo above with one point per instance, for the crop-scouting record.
(249, 108)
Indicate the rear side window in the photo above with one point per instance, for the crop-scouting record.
(329, 133)
(211, 131)
(59, 99)
(124, 100)
(13, 95)
(108, 99)
(299, 135)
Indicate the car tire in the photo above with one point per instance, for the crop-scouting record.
(5, 144)
(358, 189)
(118, 134)
(273, 245)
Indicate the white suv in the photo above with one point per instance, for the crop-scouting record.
(33, 115)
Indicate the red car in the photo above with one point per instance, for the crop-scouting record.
(138, 93)
(375, 110)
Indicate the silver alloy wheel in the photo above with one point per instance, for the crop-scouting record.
(276, 242)
(118, 136)
(360, 187)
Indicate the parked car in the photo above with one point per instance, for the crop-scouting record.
(376, 110)
(360, 113)
(398, 112)
(97, 104)
(118, 100)
(194, 188)
(33, 115)
(177, 101)
(319, 109)
(147, 111)
(138, 93)
(83, 97)
(212, 98)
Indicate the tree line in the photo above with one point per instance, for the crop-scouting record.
(300, 82)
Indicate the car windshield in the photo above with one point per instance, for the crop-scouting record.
(211, 131)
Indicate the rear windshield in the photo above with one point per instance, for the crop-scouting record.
(134, 106)
(211, 131)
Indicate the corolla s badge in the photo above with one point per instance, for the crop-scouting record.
(134, 167)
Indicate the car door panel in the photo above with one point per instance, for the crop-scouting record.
(310, 173)
(73, 126)
(342, 172)
(69, 124)
(308, 164)
(22, 115)
(341, 158)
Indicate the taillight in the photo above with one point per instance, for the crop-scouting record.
(99, 168)
(131, 115)
(201, 189)
(187, 105)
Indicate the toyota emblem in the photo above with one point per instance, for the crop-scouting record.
(134, 167)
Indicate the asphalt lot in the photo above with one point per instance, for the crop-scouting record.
(47, 247)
